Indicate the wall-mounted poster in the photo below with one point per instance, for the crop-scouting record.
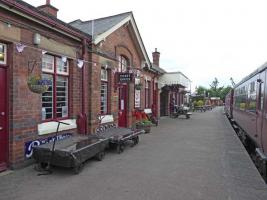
(137, 99)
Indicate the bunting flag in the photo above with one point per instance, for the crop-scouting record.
(20, 47)
(79, 63)
(114, 70)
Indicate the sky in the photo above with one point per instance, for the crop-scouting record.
(203, 39)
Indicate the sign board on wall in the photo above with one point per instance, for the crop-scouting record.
(124, 77)
(30, 144)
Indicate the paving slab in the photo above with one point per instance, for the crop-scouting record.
(198, 158)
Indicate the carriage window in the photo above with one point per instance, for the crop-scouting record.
(241, 98)
(261, 96)
(3, 53)
(251, 106)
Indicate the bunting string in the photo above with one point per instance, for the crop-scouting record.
(80, 62)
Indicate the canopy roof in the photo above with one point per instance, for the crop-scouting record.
(175, 78)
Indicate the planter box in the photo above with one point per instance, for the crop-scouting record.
(146, 128)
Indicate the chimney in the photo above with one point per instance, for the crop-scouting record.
(156, 56)
(48, 9)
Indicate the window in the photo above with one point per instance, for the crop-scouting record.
(104, 92)
(251, 106)
(3, 52)
(241, 98)
(147, 94)
(55, 100)
(48, 63)
(261, 96)
(123, 64)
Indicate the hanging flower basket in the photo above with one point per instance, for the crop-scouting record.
(138, 86)
(38, 85)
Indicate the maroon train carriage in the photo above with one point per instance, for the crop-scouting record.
(249, 111)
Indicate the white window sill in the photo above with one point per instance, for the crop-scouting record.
(148, 111)
(106, 119)
(51, 127)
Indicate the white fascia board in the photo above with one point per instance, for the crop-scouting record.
(102, 36)
(130, 19)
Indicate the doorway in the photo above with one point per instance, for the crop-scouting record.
(123, 106)
(3, 120)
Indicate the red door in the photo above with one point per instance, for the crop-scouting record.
(3, 120)
(123, 98)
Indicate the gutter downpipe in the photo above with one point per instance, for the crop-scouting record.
(84, 116)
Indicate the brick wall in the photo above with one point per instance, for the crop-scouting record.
(25, 106)
(118, 43)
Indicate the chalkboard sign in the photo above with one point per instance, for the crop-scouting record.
(125, 77)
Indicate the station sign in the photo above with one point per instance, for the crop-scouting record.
(124, 77)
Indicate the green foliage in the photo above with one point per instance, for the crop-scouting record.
(200, 103)
(213, 91)
(145, 123)
(200, 90)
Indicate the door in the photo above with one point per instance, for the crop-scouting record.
(155, 101)
(164, 103)
(123, 99)
(260, 108)
(3, 120)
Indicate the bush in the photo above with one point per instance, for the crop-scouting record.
(145, 123)
(200, 103)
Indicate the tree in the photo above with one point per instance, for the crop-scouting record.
(200, 90)
(224, 92)
(214, 84)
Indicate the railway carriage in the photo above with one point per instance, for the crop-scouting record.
(247, 106)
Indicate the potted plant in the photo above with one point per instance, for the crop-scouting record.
(38, 85)
(145, 125)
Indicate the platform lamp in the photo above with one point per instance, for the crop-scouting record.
(36, 39)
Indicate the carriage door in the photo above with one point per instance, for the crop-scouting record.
(260, 108)
(3, 120)
(123, 98)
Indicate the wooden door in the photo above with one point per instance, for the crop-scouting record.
(3, 120)
(123, 106)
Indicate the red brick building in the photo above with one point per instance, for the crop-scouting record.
(34, 44)
(52, 71)
(118, 52)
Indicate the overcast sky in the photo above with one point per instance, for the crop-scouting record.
(203, 39)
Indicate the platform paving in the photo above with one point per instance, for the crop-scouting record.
(199, 158)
